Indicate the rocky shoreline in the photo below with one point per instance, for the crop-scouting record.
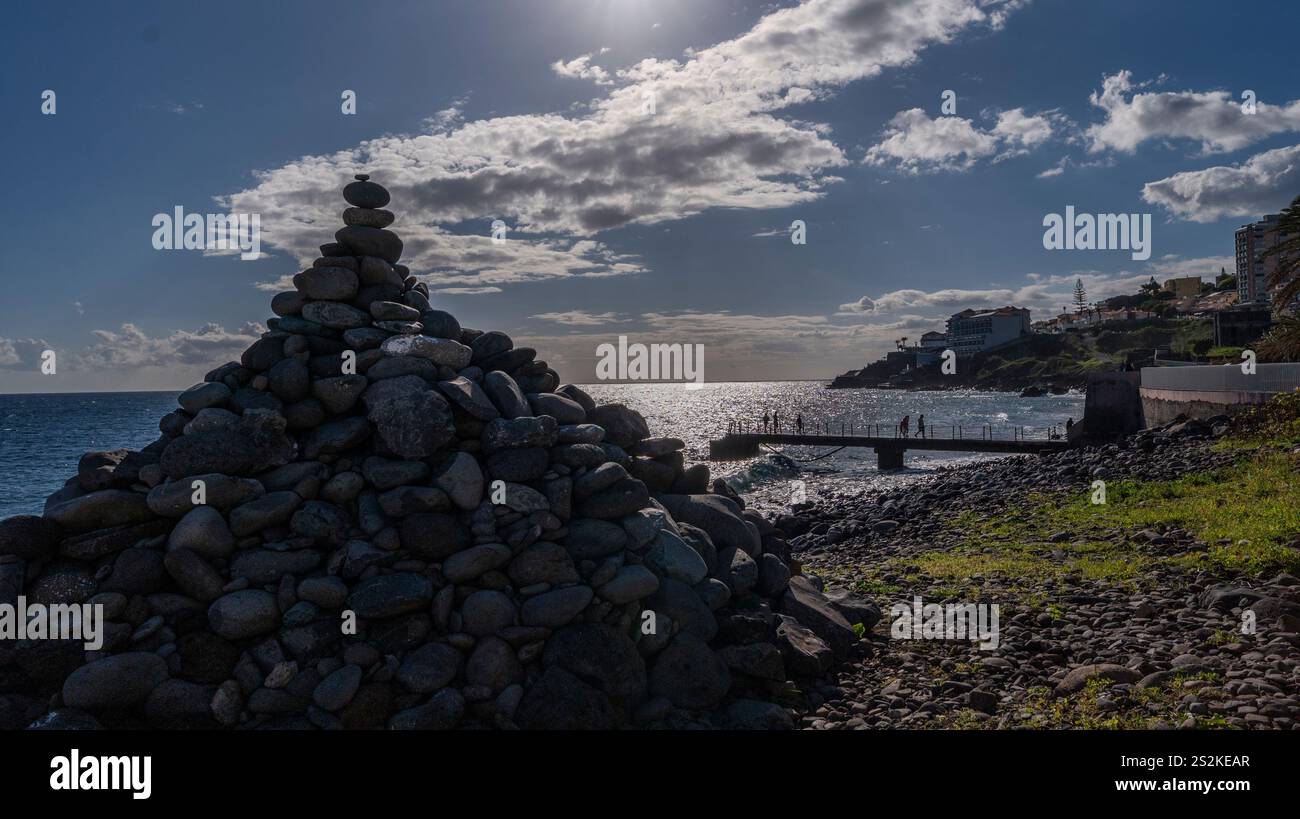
(1160, 648)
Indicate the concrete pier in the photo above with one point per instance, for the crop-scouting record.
(889, 449)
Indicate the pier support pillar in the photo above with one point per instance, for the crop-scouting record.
(889, 457)
(733, 448)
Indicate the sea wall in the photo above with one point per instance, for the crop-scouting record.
(1162, 406)
(1207, 391)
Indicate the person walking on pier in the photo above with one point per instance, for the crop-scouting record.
(776, 422)
(902, 426)
(766, 420)
(798, 422)
(920, 426)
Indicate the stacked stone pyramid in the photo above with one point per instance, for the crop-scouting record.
(378, 518)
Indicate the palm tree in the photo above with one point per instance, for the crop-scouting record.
(1285, 278)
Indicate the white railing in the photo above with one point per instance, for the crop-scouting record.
(1223, 378)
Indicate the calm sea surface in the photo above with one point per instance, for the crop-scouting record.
(43, 436)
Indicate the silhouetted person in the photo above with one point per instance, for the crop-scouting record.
(903, 425)
(776, 422)
(920, 426)
(1069, 422)
(766, 420)
(798, 422)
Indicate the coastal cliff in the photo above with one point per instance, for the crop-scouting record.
(1042, 362)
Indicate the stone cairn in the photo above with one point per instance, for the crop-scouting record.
(508, 552)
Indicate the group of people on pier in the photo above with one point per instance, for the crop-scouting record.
(772, 422)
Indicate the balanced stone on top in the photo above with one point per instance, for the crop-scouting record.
(365, 194)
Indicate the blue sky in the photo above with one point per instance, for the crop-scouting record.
(671, 226)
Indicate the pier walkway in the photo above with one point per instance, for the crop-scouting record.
(890, 444)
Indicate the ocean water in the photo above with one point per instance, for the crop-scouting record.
(43, 436)
(771, 481)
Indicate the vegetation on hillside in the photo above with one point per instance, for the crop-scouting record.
(1094, 349)
(1281, 343)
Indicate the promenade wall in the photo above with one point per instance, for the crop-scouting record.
(1209, 390)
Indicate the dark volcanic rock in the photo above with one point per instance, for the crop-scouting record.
(689, 674)
(559, 701)
(369, 241)
(413, 420)
(623, 427)
(377, 517)
(807, 605)
(114, 682)
(29, 537)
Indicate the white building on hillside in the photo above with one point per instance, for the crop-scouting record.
(934, 341)
(973, 331)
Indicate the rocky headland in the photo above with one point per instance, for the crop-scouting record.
(1041, 362)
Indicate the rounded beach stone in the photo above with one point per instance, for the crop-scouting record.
(365, 194)
(368, 217)
(331, 283)
(243, 614)
(338, 316)
(118, 681)
(368, 241)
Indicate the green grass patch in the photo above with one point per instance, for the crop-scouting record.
(1275, 425)
(1254, 505)
(1247, 515)
(1096, 708)
(1257, 500)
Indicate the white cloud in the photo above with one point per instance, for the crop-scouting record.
(1055, 170)
(468, 264)
(1214, 118)
(915, 142)
(449, 117)
(1018, 129)
(714, 141)
(579, 318)
(130, 347)
(581, 68)
(1262, 184)
(1043, 296)
(467, 291)
(1205, 266)
(21, 353)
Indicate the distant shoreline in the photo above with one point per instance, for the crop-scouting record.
(825, 381)
(178, 390)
